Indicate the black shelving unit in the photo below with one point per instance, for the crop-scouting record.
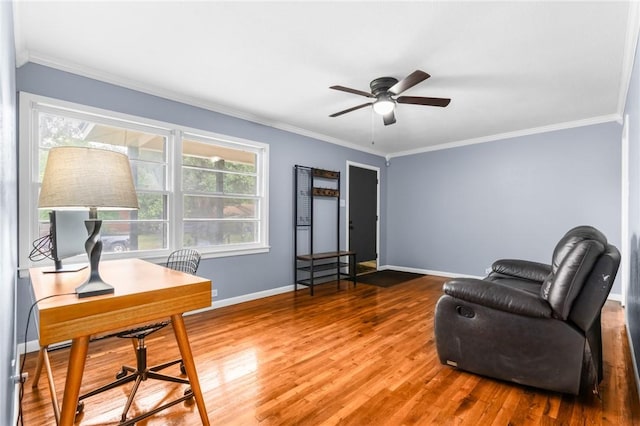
(311, 268)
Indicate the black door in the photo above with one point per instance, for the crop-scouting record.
(363, 217)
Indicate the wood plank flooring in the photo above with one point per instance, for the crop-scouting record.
(358, 356)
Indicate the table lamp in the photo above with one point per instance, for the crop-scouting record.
(79, 178)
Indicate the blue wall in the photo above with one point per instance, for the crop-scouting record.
(8, 212)
(459, 209)
(231, 276)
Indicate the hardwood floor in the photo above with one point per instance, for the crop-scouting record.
(358, 356)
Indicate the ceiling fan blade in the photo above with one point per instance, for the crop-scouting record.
(351, 109)
(389, 118)
(408, 82)
(354, 91)
(419, 100)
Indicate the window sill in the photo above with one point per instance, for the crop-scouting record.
(23, 271)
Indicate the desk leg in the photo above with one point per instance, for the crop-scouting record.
(43, 360)
(180, 332)
(75, 369)
(36, 376)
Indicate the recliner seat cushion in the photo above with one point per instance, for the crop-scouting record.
(532, 287)
(496, 296)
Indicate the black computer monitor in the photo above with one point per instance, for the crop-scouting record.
(68, 235)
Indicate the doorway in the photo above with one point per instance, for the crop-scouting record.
(363, 214)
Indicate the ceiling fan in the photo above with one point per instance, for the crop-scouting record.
(384, 89)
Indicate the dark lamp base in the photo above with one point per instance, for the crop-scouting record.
(94, 288)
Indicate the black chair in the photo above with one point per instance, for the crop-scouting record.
(532, 323)
(184, 260)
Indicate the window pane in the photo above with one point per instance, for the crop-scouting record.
(58, 130)
(240, 184)
(221, 189)
(122, 230)
(139, 145)
(216, 233)
(131, 236)
(148, 175)
(216, 157)
(152, 206)
(219, 208)
(203, 180)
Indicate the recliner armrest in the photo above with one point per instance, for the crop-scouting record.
(496, 296)
(524, 269)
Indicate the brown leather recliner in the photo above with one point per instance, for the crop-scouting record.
(532, 323)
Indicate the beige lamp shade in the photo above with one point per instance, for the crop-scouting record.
(79, 177)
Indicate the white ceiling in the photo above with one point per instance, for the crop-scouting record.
(510, 68)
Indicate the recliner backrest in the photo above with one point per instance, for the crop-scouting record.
(586, 308)
(570, 239)
(573, 260)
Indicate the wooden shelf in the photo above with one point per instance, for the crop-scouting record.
(326, 255)
(334, 276)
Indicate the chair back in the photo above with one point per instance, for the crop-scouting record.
(587, 306)
(184, 260)
(573, 260)
(572, 238)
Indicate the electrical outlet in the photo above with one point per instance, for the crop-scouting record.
(214, 292)
(20, 379)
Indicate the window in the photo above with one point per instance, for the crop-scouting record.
(195, 189)
(221, 201)
(144, 229)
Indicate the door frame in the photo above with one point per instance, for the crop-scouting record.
(346, 216)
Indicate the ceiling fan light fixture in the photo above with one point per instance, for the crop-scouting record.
(384, 105)
(386, 92)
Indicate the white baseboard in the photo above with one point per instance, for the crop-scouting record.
(32, 346)
(612, 296)
(615, 297)
(428, 272)
(215, 304)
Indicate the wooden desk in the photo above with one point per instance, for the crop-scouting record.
(143, 292)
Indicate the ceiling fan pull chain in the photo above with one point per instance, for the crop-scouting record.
(373, 142)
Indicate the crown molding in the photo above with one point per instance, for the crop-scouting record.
(88, 72)
(527, 132)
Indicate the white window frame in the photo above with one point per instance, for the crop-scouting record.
(262, 170)
(28, 184)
